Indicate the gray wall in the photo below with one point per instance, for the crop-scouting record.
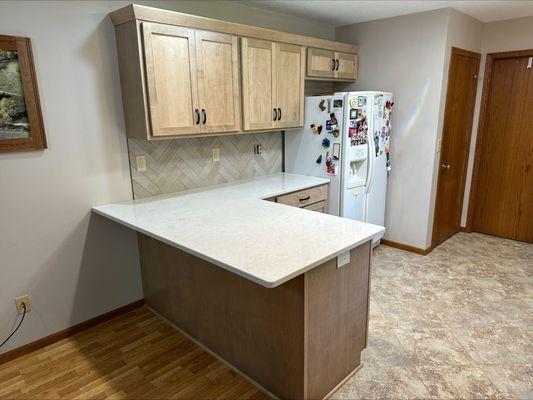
(405, 55)
(75, 265)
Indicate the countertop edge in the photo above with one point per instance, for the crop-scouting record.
(267, 284)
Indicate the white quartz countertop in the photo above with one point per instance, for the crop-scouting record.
(232, 227)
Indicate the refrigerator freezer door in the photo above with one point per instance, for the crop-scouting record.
(376, 196)
(353, 203)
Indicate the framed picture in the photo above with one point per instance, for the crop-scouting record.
(21, 121)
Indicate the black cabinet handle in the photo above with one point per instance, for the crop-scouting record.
(197, 116)
(275, 114)
(205, 115)
(279, 114)
(304, 198)
(336, 69)
(333, 67)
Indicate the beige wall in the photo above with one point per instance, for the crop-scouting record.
(75, 265)
(405, 55)
(508, 35)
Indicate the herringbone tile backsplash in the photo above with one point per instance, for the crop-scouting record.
(181, 164)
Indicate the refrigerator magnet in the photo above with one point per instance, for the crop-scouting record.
(333, 119)
(336, 151)
(319, 129)
(322, 105)
(328, 125)
(326, 143)
(353, 102)
(335, 131)
(314, 129)
(319, 159)
(353, 113)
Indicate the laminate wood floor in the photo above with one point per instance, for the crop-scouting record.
(134, 356)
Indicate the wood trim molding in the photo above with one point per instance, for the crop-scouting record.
(406, 247)
(466, 53)
(71, 331)
(481, 126)
(144, 13)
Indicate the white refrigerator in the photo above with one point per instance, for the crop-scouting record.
(346, 137)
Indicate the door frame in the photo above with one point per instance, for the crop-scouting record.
(487, 81)
(470, 54)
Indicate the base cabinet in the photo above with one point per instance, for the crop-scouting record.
(299, 340)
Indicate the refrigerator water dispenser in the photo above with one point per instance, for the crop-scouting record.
(357, 166)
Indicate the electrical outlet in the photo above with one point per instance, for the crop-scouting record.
(343, 259)
(216, 154)
(141, 163)
(258, 149)
(22, 300)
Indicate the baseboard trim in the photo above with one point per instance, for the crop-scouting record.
(406, 247)
(65, 333)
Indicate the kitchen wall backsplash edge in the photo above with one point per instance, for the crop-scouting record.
(182, 164)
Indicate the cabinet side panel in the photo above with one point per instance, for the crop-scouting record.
(256, 329)
(132, 80)
(336, 320)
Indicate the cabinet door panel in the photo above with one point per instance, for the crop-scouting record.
(218, 81)
(171, 78)
(320, 63)
(347, 66)
(290, 74)
(258, 84)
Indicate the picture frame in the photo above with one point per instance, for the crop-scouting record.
(21, 121)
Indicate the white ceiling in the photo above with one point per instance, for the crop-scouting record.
(344, 12)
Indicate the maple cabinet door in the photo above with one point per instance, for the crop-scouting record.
(217, 62)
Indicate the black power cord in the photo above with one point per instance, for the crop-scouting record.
(18, 326)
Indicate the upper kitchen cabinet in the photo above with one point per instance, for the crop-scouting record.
(170, 62)
(272, 84)
(331, 65)
(192, 77)
(181, 75)
(217, 61)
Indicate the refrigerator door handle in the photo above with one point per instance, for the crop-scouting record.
(371, 162)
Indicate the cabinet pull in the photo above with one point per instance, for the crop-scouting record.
(333, 67)
(279, 114)
(275, 115)
(337, 60)
(304, 199)
(205, 115)
(197, 116)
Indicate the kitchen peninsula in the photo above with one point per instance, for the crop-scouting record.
(279, 292)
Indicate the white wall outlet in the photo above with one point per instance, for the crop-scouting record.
(343, 259)
(216, 154)
(141, 163)
(22, 300)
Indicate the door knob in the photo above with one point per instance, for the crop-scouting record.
(445, 166)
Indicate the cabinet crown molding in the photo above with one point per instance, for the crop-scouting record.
(144, 13)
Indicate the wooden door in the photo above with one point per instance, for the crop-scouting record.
(346, 66)
(503, 200)
(170, 62)
(455, 144)
(258, 84)
(290, 82)
(218, 81)
(320, 63)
